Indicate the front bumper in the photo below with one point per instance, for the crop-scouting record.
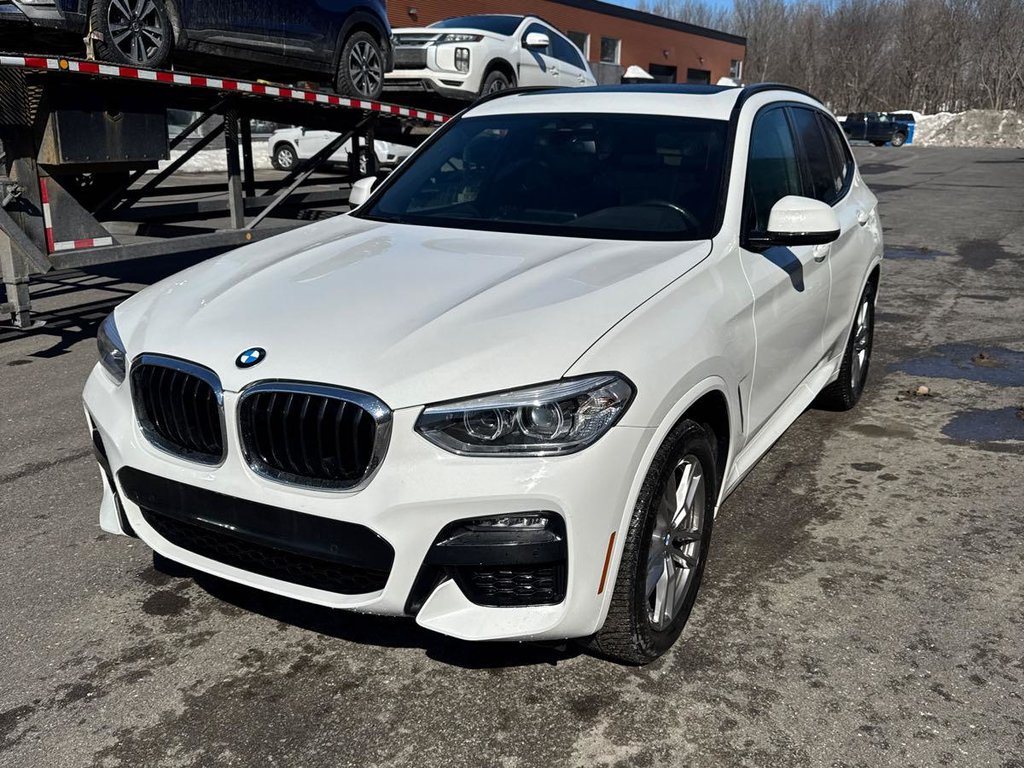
(452, 85)
(418, 492)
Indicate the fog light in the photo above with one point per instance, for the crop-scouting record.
(462, 59)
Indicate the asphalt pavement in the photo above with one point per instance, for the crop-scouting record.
(863, 605)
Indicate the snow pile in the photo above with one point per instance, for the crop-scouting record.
(216, 160)
(974, 128)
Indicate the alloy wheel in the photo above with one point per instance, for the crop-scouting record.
(861, 344)
(364, 68)
(136, 29)
(675, 548)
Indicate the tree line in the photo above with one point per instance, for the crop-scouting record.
(926, 55)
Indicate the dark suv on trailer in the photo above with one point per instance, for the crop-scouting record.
(878, 127)
(347, 40)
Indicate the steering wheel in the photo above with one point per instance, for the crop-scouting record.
(691, 220)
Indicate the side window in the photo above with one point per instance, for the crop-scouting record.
(566, 51)
(842, 161)
(541, 29)
(772, 169)
(816, 155)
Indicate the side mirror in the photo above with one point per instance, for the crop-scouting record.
(361, 191)
(537, 40)
(797, 220)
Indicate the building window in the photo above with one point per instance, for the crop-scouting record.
(582, 41)
(698, 76)
(610, 50)
(736, 69)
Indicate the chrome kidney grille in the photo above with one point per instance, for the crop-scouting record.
(313, 435)
(180, 407)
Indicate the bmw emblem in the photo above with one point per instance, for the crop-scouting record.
(250, 357)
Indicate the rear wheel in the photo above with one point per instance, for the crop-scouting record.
(361, 67)
(284, 157)
(899, 140)
(843, 393)
(665, 550)
(133, 32)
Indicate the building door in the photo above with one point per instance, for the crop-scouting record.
(662, 73)
(698, 76)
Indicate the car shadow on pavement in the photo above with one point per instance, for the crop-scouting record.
(382, 631)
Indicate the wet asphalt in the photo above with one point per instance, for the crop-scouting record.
(863, 605)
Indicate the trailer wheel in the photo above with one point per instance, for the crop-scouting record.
(135, 33)
(361, 67)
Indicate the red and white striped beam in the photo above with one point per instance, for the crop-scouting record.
(53, 245)
(213, 83)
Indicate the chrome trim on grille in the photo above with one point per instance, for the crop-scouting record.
(374, 406)
(150, 432)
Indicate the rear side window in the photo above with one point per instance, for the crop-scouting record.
(839, 153)
(772, 168)
(822, 182)
(566, 51)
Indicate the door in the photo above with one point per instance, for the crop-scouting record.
(573, 71)
(855, 125)
(539, 65)
(279, 28)
(311, 142)
(790, 284)
(858, 228)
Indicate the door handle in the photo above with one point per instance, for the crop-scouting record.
(820, 252)
(862, 217)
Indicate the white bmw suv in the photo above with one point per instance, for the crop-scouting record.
(469, 56)
(507, 394)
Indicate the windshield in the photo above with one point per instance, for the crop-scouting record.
(614, 176)
(501, 25)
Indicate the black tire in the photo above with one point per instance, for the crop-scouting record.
(630, 634)
(496, 81)
(143, 40)
(361, 67)
(899, 140)
(285, 157)
(843, 393)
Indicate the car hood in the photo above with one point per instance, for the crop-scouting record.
(411, 314)
(437, 32)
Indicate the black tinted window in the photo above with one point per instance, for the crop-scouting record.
(839, 153)
(567, 52)
(772, 168)
(615, 176)
(501, 25)
(824, 184)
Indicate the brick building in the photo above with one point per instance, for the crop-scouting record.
(610, 36)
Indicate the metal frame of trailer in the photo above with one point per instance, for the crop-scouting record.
(81, 139)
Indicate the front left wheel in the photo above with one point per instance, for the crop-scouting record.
(665, 550)
(361, 67)
(136, 33)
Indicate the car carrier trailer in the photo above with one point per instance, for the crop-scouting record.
(81, 141)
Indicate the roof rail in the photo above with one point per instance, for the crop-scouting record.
(512, 92)
(756, 88)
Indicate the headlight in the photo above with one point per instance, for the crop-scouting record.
(456, 37)
(112, 355)
(548, 419)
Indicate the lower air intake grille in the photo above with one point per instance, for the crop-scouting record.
(515, 585)
(308, 434)
(307, 550)
(179, 407)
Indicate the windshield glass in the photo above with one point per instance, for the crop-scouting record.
(616, 176)
(501, 25)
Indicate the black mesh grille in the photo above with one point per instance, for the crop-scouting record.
(308, 438)
(179, 411)
(267, 561)
(514, 585)
(410, 58)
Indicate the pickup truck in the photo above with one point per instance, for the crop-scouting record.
(879, 128)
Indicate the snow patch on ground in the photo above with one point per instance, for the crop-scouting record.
(215, 160)
(973, 128)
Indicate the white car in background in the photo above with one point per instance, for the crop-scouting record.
(289, 146)
(468, 56)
